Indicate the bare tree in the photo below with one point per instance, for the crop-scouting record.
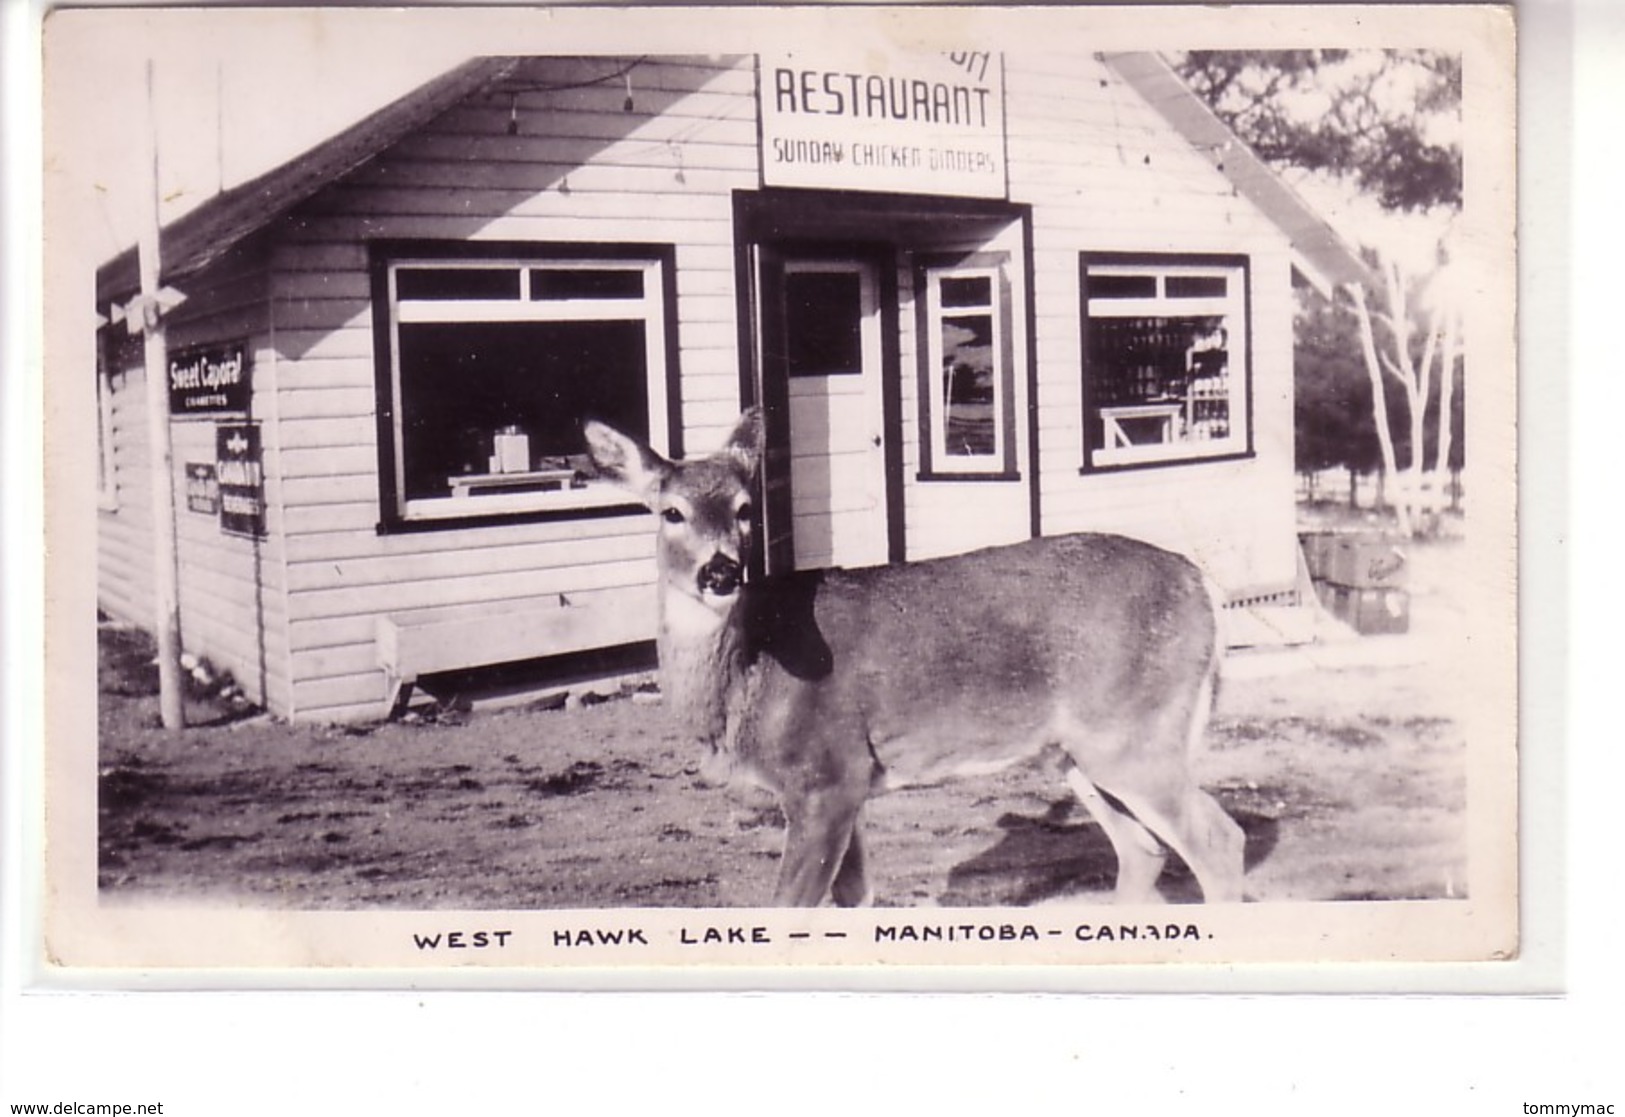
(1428, 315)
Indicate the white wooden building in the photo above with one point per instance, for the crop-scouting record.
(982, 297)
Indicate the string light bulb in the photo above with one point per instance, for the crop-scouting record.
(626, 106)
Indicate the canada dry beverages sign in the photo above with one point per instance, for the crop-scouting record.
(240, 478)
(901, 123)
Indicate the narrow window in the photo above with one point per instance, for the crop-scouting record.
(1165, 359)
(967, 378)
(106, 476)
(117, 352)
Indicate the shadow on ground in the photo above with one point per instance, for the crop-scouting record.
(1063, 852)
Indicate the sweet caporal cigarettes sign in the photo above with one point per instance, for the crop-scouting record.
(909, 124)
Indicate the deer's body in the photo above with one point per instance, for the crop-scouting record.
(829, 686)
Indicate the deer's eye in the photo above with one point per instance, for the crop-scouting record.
(671, 515)
(743, 513)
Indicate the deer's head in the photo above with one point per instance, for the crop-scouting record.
(703, 505)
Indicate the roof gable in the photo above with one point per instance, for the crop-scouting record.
(204, 235)
(1320, 253)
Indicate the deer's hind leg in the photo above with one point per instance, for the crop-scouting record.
(1192, 822)
(1156, 785)
(1140, 856)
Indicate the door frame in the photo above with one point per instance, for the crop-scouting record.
(764, 380)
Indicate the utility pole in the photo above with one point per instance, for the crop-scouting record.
(147, 315)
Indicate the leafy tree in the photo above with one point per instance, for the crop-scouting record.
(1368, 117)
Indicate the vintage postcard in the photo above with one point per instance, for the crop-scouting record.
(571, 496)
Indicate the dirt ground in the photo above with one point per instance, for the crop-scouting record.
(1348, 782)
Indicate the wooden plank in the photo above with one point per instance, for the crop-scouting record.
(655, 173)
(335, 256)
(351, 515)
(332, 284)
(411, 644)
(315, 634)
(459, 591)
(317, 699)
(676, 206)
(352, 341)
(653, 228)
(734, 121)
(366, 543)
(302, 492)
(328, 461)
(726, 153)
(361, 571)
(326, 403)
(320, 373)
(330, 431)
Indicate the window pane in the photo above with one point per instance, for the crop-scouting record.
(457, 283)
(1122, 286)
(1197, 286)
(968, 370)
(461, 383)
(585, 283)
(1159, 380)
(967, 291)
(823, 313)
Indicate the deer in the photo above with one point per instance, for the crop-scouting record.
(828, 687)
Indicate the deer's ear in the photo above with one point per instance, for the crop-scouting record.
(625, 461)
(744, 445)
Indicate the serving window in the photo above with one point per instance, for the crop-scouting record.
(1165, 359)
(495, 363)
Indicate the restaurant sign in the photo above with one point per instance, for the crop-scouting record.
(241, 478)
(895, 123)
(207, 380)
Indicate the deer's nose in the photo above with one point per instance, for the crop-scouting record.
(720, 575)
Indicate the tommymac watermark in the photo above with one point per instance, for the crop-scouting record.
(1565, 1110)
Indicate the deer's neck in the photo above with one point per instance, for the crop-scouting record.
(704, 666)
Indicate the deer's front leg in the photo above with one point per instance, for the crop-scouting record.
(819, 832)
(851, 888)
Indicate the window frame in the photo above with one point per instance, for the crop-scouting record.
(656, 308)
(1236, 306)
(106, 456)
(935, 463)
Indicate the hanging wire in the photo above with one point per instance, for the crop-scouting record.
(586, 83)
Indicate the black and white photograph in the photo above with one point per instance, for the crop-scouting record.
(581, 490)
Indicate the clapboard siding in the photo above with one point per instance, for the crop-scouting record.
(663, 174)
(232, 602)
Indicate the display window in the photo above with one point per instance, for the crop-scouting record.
(1165, 359)
(495, 363)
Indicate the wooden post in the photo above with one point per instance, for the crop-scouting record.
(166, 570)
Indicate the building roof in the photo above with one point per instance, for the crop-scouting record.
(1321, 254)
(203, 235)
(208, 232)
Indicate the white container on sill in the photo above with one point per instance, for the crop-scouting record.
(512, 451)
